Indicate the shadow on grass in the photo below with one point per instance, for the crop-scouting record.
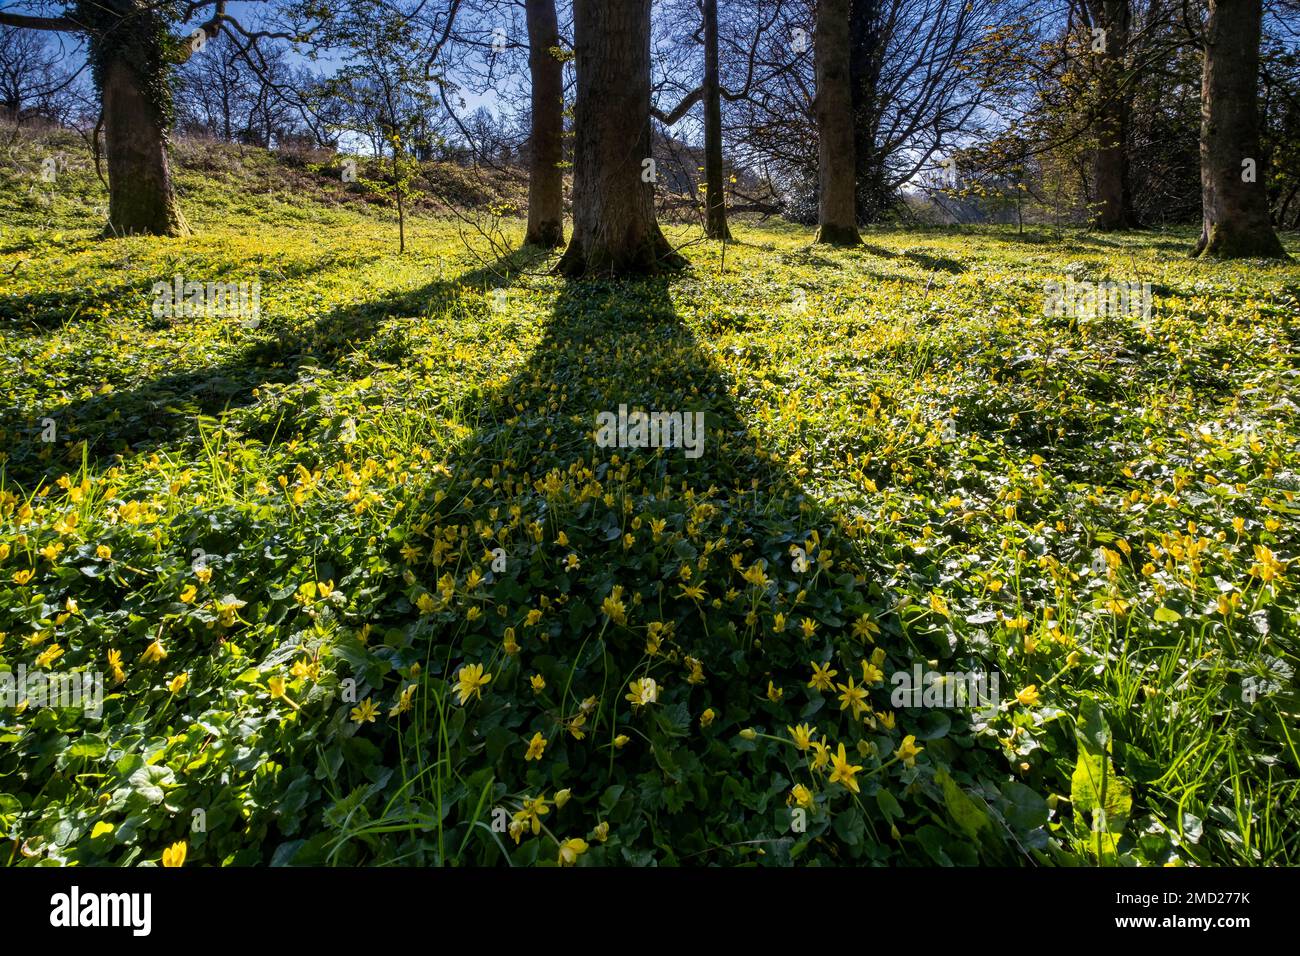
(165, 409)
(605, 542)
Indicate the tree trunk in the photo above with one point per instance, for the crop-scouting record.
(1110, 164)
(873, 197)
(715, 198)
(1233, 197)
(545, 173)
(834, 107)
(614, 227)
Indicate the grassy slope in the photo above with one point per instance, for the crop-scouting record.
(1101, 509)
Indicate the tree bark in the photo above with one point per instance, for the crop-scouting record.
(131, 67)
(834, 108)
(1110, 164)
(1234, 211)
(715, 198)
(141, 198)
(545, 173)
(614, 227)
(873, 194)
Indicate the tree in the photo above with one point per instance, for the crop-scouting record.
(614, 227)
(546, 154)
(1110, 163)
(837, 209)
(33, 79)
(866, 58)
(715, 199)
(132, 52)
(1235, 214)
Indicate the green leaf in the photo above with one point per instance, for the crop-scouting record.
(966, 812)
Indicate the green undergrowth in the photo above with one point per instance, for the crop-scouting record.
(363, 588)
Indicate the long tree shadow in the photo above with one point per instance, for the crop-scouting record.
(163, 410)
(703, 567)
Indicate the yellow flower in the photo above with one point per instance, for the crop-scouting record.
(204, 574)
(643, 691)
(275, 685)
(853, 696)
(561, 798)
(843, 772)
(154, 653)
(115, 666)
(22, 577)
(538, 682)
(576, 727)
(508, 643)
(801, 796)
(530, 816)
(821, 676)
(178, 682)
(174, 855)
(778, 623)
(809, 627)
(802, 736)
(871, 674)
(621, 741)
(536, 747)
(601, 832)
(821, 755)
(908, 750)
(364, 712)
(1029, 696)
(425, 603)
(864, 628)
(774, 693)
(470, 681)
(613, 606)
(403, 702)
(706, 718)
(570, 850)
(188, 593)
(695, 592)
(49, 656)
(756, 577)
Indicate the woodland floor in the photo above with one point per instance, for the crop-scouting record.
(308, 516)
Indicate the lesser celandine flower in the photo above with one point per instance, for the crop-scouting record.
(470, 681)
(821, 755)
(154, 653)
(802, 736)
(801, 796)
(174, 855)
(601, 832)
(642, 691)
(570, 850)
(364, 712)
(561, 798)
(178, 682)
(1029, 696)
(538, 683)
(821, 675)
(621, 741)
(907, 751)
(842, 771)
(536, 747)
(706, 718)
(749, 733)
(853, 696)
